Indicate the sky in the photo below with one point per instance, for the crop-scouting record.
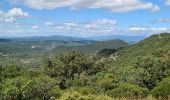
(83, 18)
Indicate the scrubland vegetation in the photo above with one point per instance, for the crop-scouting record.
(137, 72)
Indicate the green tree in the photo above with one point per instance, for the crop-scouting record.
(71, 67)
(126, 90)
(154, 70)
(28, 87)
(162, 89)
(11, 71)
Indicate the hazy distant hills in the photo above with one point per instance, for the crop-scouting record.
(50, 38)
(129, 39)
(84, 46)
(5, 40)
(57, 43)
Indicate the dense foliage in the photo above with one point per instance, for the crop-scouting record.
(138, 71)
(162, 89)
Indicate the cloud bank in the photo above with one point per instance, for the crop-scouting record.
(99, 27)
(112, 5)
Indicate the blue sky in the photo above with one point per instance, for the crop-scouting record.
(83, 17)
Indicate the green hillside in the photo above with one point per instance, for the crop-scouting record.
(137, 72)
(92, 48)
(150, 59)
(32, 46)
(31, 52)
(156, 46)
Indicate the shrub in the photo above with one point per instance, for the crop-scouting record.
(73, 95)
(128, 91)
(162, 89)
(86, 91)
(25, 87)
(106, 82)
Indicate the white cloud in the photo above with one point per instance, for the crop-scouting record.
(49, 23)
(113, 5)
(160, 29)
(10, 20)
(164, 20)
(101, 23)
(59, 27)
(105, 22)
(167, 2)
(1, 12)
(137, 29)
(12, 15)
(69, 24)
(147, 30)
(17, 12)
(100, 27)
(90, 26)
(35, 27)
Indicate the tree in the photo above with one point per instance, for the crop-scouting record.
(29, 87)
(107, 52)
(73, 64)
(162, 89)
(10, 71)
(128, 91)
(106, 83)
(154, 70)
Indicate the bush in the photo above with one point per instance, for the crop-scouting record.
(86, 91)
(25, 87)
(162, 89)
(107, 52)
(128, 91)
(154, 70)
(106, 82)
(103, 97)
(73, 95)
(10, 72)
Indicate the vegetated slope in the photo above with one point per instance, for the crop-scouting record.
(32, 51)
(155, 46)
(145, 63)
(92, 48)
(73, 75)
(30, 46)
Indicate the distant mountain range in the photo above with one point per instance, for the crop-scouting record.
(5, 40)
(129, 39)
(46, 38)
(57, 46)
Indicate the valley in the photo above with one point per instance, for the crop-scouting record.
(85, 70)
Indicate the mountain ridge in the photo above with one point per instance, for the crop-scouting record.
(129, 39)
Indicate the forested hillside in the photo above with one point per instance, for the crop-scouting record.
(32, 52)
(139, 71)
(156, 45)
(95, 47)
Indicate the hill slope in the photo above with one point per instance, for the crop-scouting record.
(92, 48)
(156, 46)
